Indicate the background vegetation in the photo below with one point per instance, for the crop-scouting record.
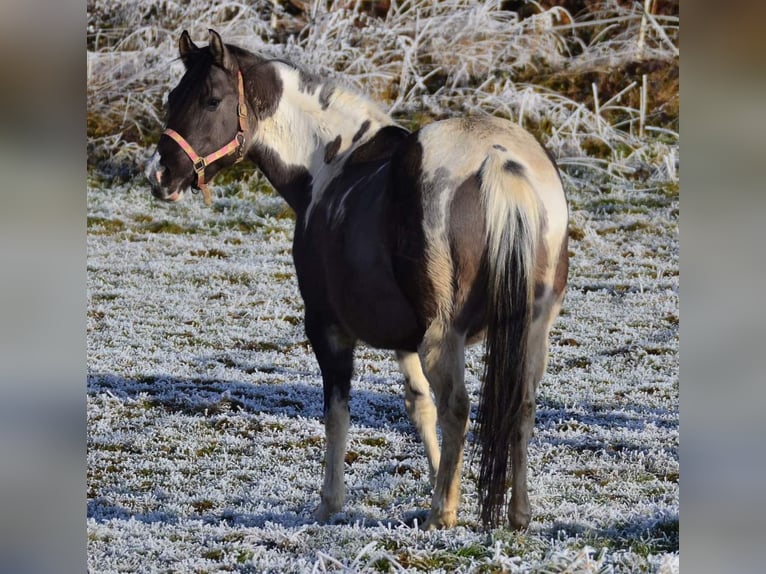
(596, 80)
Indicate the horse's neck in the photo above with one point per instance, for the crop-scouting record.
(313, 129)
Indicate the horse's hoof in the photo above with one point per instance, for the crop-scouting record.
(519, 521)
(439, 521)
(323, 513)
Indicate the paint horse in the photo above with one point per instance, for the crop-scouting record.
(419, 242)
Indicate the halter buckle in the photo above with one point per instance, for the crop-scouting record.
(199, 165)
(240, 153)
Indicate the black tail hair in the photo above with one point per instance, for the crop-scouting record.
(510, 300)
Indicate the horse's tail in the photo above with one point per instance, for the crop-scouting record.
(512, 226)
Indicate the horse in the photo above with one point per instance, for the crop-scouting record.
(420, 242)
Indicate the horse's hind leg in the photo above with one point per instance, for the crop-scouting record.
(442, 353)
(334, 352)
(420, 407)
(546, 311)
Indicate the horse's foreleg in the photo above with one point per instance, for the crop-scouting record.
(420, 407)
(442, 353)
(334, 352)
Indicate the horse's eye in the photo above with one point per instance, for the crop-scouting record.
(212, 103)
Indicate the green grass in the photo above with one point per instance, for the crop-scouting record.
(103, 226)
(169, 227)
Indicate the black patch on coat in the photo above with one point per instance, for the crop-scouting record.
(513, 167)
(344, 261)
(380, 146)
(406, 235)
(293, 182)
(331, 149)
(361, 131)
(308, 84)
(263, 89)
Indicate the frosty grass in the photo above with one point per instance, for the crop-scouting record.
(205, 438)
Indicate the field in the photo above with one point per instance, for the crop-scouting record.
(205, 439)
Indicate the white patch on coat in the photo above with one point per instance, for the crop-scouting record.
(438, 255)
(301, 127)
(336, 431)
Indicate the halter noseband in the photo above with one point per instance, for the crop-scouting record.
(235, 146)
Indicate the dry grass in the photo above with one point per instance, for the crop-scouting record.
(574, 79)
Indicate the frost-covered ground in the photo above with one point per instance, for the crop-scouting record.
(205, 439)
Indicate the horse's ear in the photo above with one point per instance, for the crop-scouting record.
(186, 47)
(221, 56)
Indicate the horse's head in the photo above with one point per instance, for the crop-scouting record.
(206, 121)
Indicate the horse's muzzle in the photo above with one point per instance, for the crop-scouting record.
(155, 173)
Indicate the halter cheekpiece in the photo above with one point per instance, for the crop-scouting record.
(235, 146)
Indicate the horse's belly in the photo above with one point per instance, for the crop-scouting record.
(374, 310)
